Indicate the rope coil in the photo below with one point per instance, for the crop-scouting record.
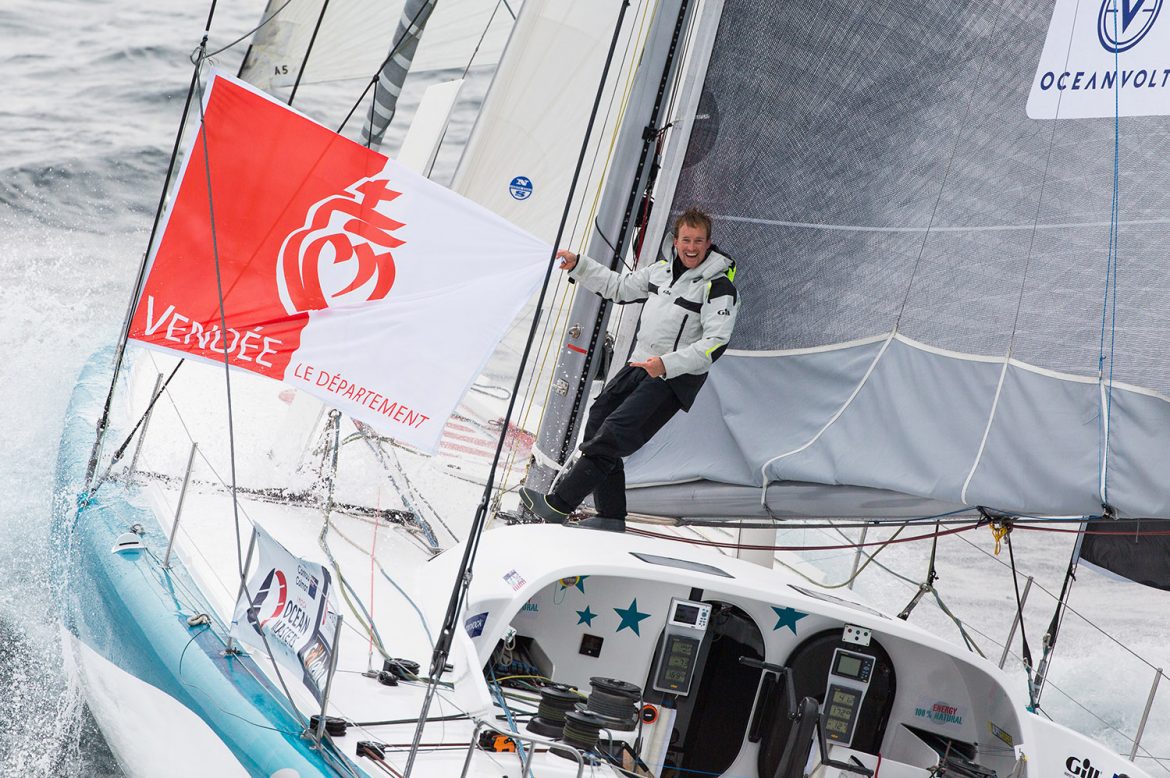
(615, 700)
(555, 701)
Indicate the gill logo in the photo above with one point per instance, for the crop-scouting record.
(342, 254)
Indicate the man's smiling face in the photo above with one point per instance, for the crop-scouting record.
(692, 244)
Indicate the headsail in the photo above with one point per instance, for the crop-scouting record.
(353, 38)
(340, 272)
(928, 310)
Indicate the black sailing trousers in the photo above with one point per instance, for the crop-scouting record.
(627, 413)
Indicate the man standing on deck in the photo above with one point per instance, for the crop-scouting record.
(688, 318)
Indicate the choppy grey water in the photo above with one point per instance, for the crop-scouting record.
(90, 97)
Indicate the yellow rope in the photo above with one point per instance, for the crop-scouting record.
(999, 531)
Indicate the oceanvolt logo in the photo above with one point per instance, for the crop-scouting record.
(1121, 24)
(1101, 59)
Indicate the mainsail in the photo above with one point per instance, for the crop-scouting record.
(946, 303)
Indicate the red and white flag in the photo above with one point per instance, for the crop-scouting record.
(343, 274)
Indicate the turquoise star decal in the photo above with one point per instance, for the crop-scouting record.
(586, 617)
(575, 581)
(787, 617)
(631, 617)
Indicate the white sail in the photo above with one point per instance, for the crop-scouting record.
(522, 152)
(354, 38)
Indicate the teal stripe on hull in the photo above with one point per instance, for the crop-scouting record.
(133, 613)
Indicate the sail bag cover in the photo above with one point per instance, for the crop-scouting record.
(946, 300)
(342, 273)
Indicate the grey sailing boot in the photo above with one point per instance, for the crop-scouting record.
(539, 506)
(602, 523)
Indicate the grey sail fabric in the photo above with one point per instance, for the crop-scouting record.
(392, 76)
(922, 274)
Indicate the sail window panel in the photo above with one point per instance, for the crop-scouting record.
(1041, 452)
(915, 427)
(744, 417)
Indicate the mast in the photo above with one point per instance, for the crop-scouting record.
(610, 237)
(458, 597)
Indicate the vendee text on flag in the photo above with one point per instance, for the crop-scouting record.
(331, 268)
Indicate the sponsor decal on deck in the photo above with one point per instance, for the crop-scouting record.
(475, 624)
(1076, 767)
(940, 712)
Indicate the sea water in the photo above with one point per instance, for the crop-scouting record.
(91, 95)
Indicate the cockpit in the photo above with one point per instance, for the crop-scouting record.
(732, 669)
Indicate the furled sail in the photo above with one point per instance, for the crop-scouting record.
(388, 85)
(945, 302)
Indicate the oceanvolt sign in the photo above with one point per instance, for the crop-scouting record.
(1103, 57)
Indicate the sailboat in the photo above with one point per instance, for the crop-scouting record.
(877, 172)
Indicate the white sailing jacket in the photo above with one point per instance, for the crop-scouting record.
(687, 321)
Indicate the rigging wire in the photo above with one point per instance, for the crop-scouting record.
(104, 420)
(227, 376)
(763, 547)
(223, 329)
(1105, 633)
(461, 585)
(559, 325)
(393, 50)
(963, 123)
(1109, 303)
(249, 33)
(482, 37)
(121, 450)
(1025, 649)
(308, 50)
